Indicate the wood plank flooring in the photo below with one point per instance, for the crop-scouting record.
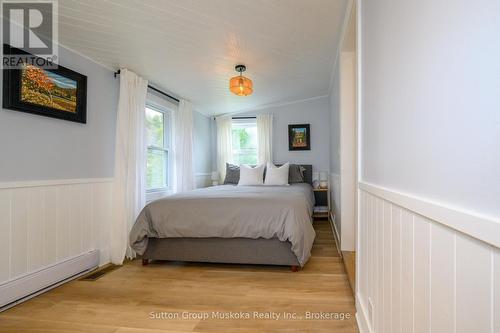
(349, 258)
(124, 300)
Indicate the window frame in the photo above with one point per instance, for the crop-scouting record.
(156, 193)
(245, 122)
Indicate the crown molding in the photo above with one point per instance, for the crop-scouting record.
(87, 57)
(272, 105)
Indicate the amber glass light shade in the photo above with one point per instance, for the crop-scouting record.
(241, 86)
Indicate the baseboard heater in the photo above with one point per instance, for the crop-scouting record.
(32, 284)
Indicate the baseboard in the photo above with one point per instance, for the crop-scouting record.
(22, 288)
(335, 233)
(362, 317)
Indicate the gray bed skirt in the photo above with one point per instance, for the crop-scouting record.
(222, 250)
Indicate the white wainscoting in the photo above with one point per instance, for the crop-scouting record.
(43, 223)
(202, 180)
(418, 273)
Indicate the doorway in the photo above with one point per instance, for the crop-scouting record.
(349, 145)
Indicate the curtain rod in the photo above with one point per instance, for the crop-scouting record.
(155, 89)
(240, 118)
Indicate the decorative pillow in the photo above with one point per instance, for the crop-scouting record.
(277, 175)
(295, 174)
(232, 174)
(251, 176)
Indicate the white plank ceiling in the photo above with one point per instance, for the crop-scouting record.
(190, 47)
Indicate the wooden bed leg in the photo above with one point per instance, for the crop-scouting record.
(145, 262)
(294, 268)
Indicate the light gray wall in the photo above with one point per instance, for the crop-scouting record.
(315, 112)
(38, 148)
(202, 136)
(431, 100)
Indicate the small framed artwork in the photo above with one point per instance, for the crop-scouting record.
(299, 137)
(58, 93)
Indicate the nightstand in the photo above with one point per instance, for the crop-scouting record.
(322, 205)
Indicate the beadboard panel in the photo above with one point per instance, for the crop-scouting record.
(5, 234)
(202, 180)
(419, 275)
(44, 223)
(496, 287)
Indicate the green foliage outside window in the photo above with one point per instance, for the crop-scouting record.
(244, 140)
(157, 159)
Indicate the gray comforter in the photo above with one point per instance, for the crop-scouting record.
(228, 211)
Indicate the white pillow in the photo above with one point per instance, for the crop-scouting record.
(251, 176)
(277, 176)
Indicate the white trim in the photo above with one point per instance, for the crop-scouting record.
(170, 99)
(53, 182)
(86, 57)
(272, 105)
(203, 174)
(335, 233)
(160, 103)
(345, 24)
(167, 109)
(362, 317)
(482, 227)
(364, 324)
(22, 288)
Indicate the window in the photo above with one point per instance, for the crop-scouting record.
(158, 140)
(244, 141)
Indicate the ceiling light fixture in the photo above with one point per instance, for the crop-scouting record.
(240, 85)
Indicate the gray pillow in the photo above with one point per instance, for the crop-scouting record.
(232, 174)
(295, 174)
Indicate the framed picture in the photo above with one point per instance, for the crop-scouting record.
(58, 93)
(299, 137)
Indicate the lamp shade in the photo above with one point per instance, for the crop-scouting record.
(241, 86)
(215, 175)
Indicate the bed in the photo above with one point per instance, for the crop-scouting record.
(268, 225)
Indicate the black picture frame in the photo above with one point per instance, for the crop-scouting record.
(12, 92)
(293, 136)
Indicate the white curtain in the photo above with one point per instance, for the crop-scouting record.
(224, 145)
(265, 138)
(129, 184)
(183, 147)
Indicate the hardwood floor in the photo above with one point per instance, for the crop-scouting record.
(350, 267)
(124, 300)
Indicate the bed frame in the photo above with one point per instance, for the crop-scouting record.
(225, 250)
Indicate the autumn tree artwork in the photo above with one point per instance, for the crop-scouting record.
(55, 91)
(44, 88)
